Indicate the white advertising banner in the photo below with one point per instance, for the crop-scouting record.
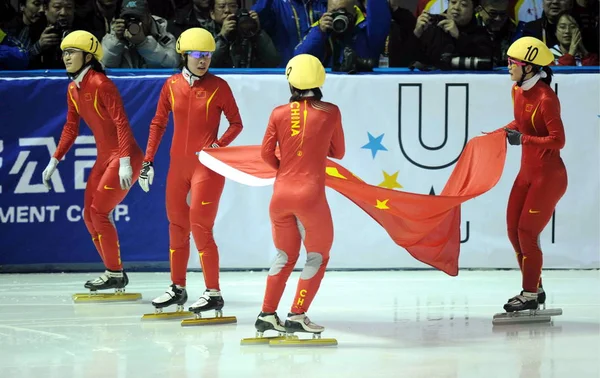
(406, 132)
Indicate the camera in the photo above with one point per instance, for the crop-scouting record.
(132, 24)
(352, 63)
(61, 28)
(472, 63)
(247, 27)
(436, 18)
(341, 21)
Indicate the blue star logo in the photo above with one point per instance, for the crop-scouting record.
(374, 144)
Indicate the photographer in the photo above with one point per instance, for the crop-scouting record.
(453, 34)
(345, 39)
(493, 16)
(59, 16)
(139, 40)
(241, 43)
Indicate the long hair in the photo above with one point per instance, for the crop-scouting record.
(96, 66)
(549, 73)
(298, 94)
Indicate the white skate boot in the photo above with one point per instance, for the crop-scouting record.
(210, 300)
(302, 324)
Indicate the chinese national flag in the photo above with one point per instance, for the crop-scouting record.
(428, 227)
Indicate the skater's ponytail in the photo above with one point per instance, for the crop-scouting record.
(546, 75)
(298, 94)
(97, 66)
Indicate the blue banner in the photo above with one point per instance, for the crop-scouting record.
(40, 227)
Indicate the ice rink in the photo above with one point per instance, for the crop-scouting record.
(388, 324)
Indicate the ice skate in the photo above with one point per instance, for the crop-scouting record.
(266, 322)
(116, 280)
(210, 300)
(302, 324)
(175, 295)
(525, 308)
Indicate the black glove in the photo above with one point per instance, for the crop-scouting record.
(146, 176)
(513, 136)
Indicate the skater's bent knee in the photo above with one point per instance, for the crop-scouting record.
(280, 261)
(314, 262)
(528, 232)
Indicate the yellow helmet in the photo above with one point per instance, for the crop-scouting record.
(305, 71)
(196, 39)
(530, 50)
(84, 41)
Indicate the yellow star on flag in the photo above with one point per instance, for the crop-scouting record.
(390, 181)
(382, 204)
(333, 171)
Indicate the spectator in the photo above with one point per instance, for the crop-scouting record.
(288, 21)
(100, 16)
(570, 50)
(493, 16)
(27, 27)
(13, 56)
(60, 15)
(139, 40)
(401, 35)
(345, 39)
(454, 33)
(195, 16)
(544, 28)
(586, 14)
(241, 43)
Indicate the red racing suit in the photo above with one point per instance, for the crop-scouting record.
(307, 131)
(96, 99)
(197, 105)
(542, 179)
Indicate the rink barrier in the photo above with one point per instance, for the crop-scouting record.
(396, 122)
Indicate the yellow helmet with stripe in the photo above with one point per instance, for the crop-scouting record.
(530, 50)
(84, 41)
(305, 71)
(195, 39)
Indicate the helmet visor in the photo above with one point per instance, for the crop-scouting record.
(199, 54)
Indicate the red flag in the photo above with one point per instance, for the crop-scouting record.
(428, 227)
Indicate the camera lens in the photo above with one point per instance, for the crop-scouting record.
(340, 23)
(133, 28)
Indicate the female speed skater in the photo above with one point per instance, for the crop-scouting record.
(542, 178)
(95, 98)
(307, 131)
(197, 99)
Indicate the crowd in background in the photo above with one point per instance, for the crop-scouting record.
(346, 35)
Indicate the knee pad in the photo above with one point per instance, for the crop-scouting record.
(280, 260)
(314, 262)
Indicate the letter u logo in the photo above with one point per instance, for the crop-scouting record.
(456, 124)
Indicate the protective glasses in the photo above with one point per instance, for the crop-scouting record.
(199, 54)
(515, 62)
(69, 52)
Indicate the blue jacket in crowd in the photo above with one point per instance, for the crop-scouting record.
(367, 40)
(288, 22)
(12, 55)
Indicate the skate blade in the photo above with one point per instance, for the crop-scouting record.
(208, 321)
(530, 313)
(106, 297)
(289, 342)
(264, 340)
(168, 315)
(521, 320)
